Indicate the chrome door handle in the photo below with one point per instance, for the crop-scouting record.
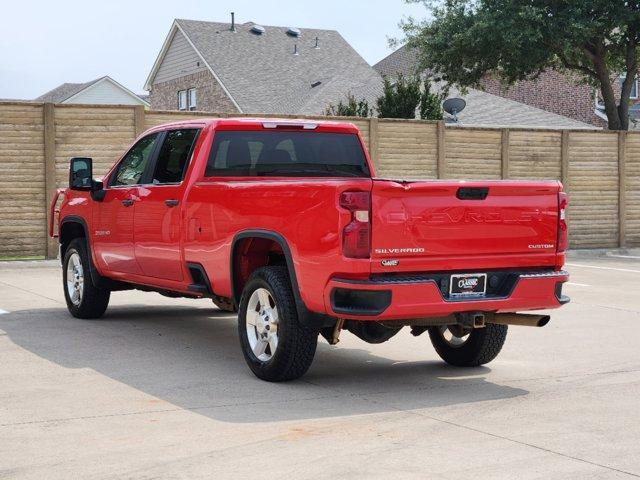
(171, 203)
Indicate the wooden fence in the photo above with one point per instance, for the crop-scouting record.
(600, 169)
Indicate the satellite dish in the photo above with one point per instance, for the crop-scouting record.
(453, 106)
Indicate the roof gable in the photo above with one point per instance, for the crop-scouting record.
(65, 91)
(68, 91)
(179, 59)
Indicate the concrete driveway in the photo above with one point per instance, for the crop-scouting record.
(159, 389)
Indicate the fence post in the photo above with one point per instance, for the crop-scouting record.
(564, 160)
(373, 143)
(138, 119)
(50, 184)
(622, 189)
(441, 159)
(505, 153)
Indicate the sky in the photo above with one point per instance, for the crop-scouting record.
(46, 43)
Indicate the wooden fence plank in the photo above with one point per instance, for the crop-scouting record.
(139, 119)
(442, 158)
(373, 142)
(505, 153)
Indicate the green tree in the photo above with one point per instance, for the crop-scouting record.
(465, 40)
(401, 98)
(353, 108)
(430, 103)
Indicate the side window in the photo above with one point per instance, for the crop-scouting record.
(182, 100)
(191, 100)
(132, 166)
(174, 156)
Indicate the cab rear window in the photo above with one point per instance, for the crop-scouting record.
(286, 153)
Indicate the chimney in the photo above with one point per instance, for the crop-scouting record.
(317, 46)
(233, 22)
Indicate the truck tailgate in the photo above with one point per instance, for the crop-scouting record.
(463, 225)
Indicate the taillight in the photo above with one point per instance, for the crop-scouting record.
(563, 234)
(356, 236)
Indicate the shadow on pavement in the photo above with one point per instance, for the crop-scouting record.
(191, 358)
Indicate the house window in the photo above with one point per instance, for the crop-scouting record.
(182, 100)
(191, 100)
(634, 87)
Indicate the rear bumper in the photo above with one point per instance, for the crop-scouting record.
(402, 298)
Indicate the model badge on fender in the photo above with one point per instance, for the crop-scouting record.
(390, 263)
(398, 250)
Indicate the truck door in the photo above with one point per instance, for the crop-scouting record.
(158, 213)
(113, 217)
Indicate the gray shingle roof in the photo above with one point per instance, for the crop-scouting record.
(264, 76)
(482, 108)
(491, 110)
(65, 91)
(403, 61)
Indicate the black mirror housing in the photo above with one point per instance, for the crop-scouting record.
(97, 190)
(81, 173)
(81, 178)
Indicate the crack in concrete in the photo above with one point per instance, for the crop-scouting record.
(526, 444)
(28, 291)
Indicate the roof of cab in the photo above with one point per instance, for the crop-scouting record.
(254, 122)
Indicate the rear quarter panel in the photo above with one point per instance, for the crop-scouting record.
(304, 211)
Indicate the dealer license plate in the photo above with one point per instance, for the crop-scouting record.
(468, 284)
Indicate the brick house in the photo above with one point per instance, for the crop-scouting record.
(551, 91)
(562, 94)
(519, 107)
(248, 68)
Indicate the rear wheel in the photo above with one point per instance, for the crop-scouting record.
(468, 347)
(84, 299)
(276, 346)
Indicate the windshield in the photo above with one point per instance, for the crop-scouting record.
(286, 153)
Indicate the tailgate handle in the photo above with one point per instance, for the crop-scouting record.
(472, 193)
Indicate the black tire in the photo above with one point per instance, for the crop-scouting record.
(93, 301)
(482, 346)
(296, 345)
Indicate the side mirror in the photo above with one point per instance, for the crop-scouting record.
(81, 178)
(80, 173)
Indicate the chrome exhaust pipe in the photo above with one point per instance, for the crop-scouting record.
(524, 319)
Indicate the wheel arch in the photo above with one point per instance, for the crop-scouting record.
(72, 227)
(265, 235)
(311, 319)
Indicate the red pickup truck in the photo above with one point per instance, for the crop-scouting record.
(286, 222)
